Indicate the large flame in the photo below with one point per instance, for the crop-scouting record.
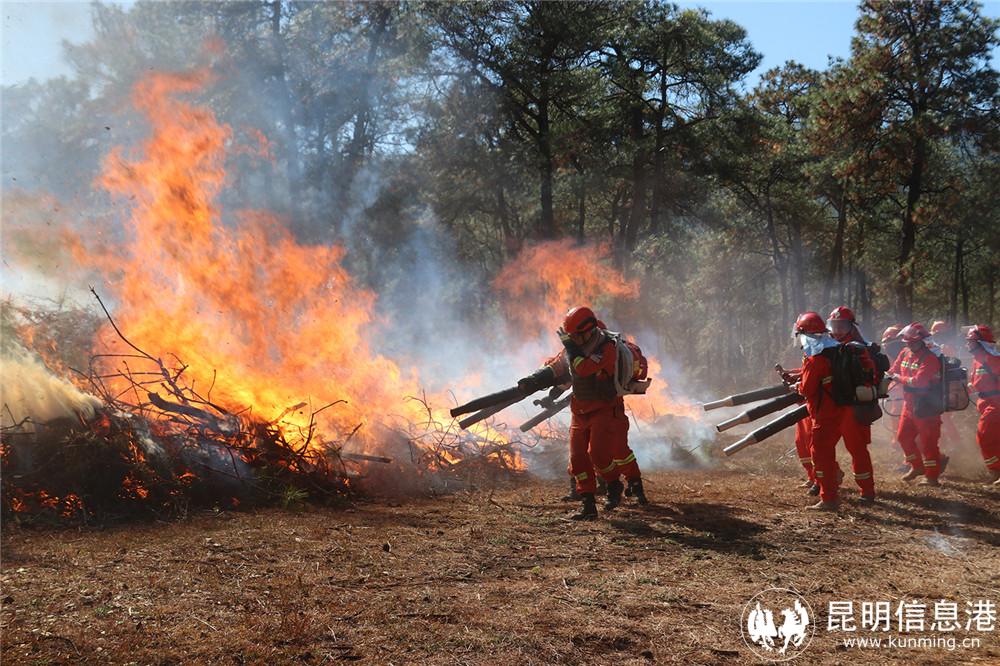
(259, 319)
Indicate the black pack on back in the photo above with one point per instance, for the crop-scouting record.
(850, 374)
(882, 361)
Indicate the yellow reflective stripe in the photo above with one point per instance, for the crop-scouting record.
(819, 474)
(582, 476)
(827, 380)
(912, 456)
(631, 458)
(863, 476)
(605, 470)
(577, 361)
(990, 461)
(930, 463)
(805, 460)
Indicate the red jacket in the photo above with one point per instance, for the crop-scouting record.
(917, 371)
(986, 379)
(816, 386)
(601, 362)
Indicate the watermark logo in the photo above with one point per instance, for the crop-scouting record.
(777, 624)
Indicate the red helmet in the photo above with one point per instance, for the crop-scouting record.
(980, 333)
(939, 327)
(810, 322)
(842, 312)
(579, 320)
(841, 323)
(915, 332)
(891, 333)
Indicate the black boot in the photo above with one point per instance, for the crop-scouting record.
(573, 496)
(635, 490)
(589, 509)
(615, 489)
(602, 486)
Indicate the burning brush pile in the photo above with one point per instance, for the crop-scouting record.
(145, 440)
(199, 390)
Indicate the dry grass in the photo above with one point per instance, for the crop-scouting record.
(496, 577)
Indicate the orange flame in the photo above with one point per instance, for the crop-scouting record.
(542, 283)
(258, 319)
(547, 280)
(276, 320)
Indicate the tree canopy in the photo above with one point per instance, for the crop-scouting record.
(628, 123)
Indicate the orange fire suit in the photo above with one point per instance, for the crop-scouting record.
(986, 382)
(803, 432)
(803, 446)
(919, 372)
(826, 417)
(598, 432)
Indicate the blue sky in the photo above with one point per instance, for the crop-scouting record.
(806, 31)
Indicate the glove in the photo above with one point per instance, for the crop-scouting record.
(573, 350)
(549, 401)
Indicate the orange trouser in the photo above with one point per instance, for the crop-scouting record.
(599, 440)
(927, 431)
(988, 432)
(823, 444)
(803, 431)
(857, 437)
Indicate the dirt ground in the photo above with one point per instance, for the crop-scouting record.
(500, 576)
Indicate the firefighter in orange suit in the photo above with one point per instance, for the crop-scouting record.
(598, 435)
(918, 369)
(825, 414)
(985, 382)
(803, 435)
(857, 432)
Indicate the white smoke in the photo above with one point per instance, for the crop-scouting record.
(28, 390)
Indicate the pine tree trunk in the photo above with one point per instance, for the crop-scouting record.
(546, 223)
(835, 274)
(908, 236)
(955, 280)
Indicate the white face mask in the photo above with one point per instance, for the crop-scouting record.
(814, 343)
(989, 347)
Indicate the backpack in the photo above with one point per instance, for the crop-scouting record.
(954, 379)
(948, 394)
(631, 368)
(853, 383)
(882, 365)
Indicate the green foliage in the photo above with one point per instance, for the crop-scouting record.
(869, 184)
(293, 499)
